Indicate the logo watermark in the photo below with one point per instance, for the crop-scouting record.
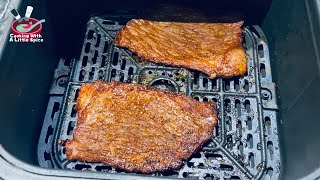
(26, 29)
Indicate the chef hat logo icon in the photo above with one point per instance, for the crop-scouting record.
(26, 25)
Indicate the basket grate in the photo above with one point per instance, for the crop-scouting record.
(245, 141)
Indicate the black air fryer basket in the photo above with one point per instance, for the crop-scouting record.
(245, 142)
(267, 120)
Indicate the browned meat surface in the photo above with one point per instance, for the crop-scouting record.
(212, 48)
(136, 129)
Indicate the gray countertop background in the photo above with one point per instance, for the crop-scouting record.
(6, 19)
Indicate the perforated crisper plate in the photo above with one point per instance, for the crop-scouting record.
(245, 142)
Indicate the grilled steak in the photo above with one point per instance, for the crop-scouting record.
(212, 48)
(136, 129)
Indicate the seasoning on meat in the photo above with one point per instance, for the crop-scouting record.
(212, 48)
(136, 129)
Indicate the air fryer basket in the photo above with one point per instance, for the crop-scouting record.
(245, 142)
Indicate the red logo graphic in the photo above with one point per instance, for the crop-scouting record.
(31, 25)
(26, 29)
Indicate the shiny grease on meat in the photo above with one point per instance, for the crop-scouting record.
(212, 48)
(136, 129)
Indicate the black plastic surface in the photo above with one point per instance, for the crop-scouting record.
(291, 32)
